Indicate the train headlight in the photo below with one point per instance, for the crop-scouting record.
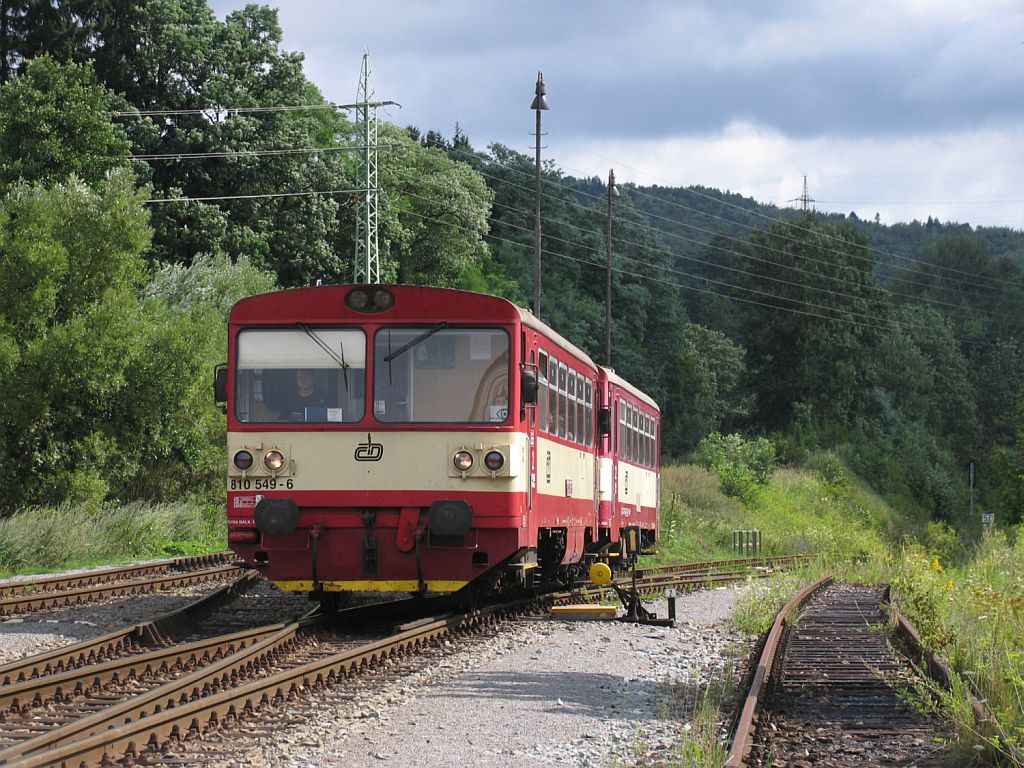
(494, 461)
(370, 299)
(243, 460)
(274, 461)
(358, 300)
(463, 461)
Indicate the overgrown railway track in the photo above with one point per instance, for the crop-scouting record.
(827, 689)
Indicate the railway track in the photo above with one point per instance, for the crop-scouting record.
(693, 575)
(222, 680)
(134, 694)
(29, 595)
(827, 689)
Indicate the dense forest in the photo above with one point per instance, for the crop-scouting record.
(157, 164)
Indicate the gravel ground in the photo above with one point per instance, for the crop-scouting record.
(541, 693)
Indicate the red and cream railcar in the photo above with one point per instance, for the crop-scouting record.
(629, 463)
(401, 438)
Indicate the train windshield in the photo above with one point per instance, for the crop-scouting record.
(432, 374)
(304, 374)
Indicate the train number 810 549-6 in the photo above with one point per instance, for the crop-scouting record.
(260, 483)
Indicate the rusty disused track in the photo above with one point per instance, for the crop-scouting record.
(826, 689)
(25, 596)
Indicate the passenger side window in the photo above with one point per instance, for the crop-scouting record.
(589, 417)
(623, 442)
(571, 414)
(542, 392)
(552, 396)
(563, 376)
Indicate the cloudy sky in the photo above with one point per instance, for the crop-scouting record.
(905, 108)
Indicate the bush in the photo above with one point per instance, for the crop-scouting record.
(833, 474)
(742, 465)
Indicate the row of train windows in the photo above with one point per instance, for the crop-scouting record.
(638, 441)
(565, 401)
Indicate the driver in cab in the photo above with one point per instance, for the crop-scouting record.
(306, 395)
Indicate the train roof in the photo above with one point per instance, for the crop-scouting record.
(640, 395)
(326, 303)
(532, 322)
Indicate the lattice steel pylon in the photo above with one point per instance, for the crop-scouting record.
(805, 199)
(367, 256)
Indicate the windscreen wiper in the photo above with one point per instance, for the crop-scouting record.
(326, 348)
(410, 344)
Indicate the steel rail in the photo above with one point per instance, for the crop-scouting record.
(687, 575)
(101, 575)
(208, 696)
(36, 601)
(148, 718)
(743, 739)
(938, 669)
(27, 693)
(163, 698)
(164, 628)
(750, 562)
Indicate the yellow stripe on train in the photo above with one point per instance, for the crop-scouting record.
(401, 585)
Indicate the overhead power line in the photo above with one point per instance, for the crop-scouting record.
(745, 255)
(968, 277)
(307, 193)
(675, 284)
(245, 153)
(217, 109)
(758, 214)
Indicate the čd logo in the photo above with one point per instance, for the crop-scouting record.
(369, 451)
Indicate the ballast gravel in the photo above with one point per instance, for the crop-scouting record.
(541, 693)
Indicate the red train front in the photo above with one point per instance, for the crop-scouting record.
(385, 438)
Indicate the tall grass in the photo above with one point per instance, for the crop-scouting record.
(968, 604)
(972, 614)
(797, 512)
(75, 535)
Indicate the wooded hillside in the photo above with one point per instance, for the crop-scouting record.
(157, 163)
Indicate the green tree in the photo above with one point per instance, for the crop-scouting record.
(811, 317)
(278, 169)
(31, 28)
(434, 213)
(55, 121)
(704, 392)
(71, 262)
(275, 201)
(107, 376)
